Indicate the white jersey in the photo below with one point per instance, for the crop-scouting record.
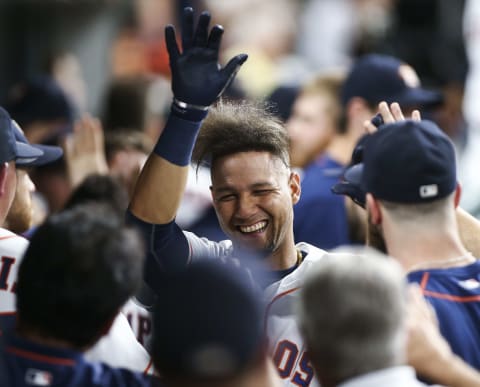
(285, 342)
(118, 349)
(12, 248)
(140, 320)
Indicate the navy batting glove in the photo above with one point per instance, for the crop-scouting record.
(197, 78)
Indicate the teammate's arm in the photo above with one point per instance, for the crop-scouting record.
(197, 81)
(428, 352)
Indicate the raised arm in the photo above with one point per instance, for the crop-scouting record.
(197, 81)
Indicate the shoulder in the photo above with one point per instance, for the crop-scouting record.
(201, 247)
(311, 253)
(289, 284)
(12, 244)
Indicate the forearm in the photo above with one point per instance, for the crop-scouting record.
(455, 372)
(158, 190)
(469, 228)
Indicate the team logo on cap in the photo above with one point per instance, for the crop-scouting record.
(409, 76)
(35, 377)
(428, 191)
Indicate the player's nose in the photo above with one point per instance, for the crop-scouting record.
(246, 206)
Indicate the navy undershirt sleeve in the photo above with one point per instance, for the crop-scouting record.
(167, 248)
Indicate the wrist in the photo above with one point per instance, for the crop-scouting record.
(178, 139)
(189, 112)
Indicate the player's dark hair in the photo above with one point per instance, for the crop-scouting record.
(81, 266)
(100, 189)
(233, 127)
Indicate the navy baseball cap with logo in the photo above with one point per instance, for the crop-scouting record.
(50, 154)
(378, 78)
(10, 148)
(408, 162)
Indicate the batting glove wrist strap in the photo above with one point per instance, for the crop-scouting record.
(188, 111)
(186, 106)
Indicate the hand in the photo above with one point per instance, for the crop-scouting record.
(426, 348)
(389, 115)
(197, 78)
(84, 150)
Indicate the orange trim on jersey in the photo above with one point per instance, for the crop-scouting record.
(278, 296)
(423, 282)
(42, 358)
(8, 313)
(9, 236)
(450, 297)
(149, 365)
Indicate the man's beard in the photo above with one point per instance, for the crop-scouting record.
(374, 236)
(20, 219)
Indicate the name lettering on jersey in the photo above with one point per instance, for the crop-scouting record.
(286, 357)
(6, 264)
(142, 327)
(35, 377)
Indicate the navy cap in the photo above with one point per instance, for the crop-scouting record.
(10, 149)
(208, 322)
(39, 99)
(379, 78)
(50, 153)
(408, 162)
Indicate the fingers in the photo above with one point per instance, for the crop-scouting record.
(397, 112)
(369, 127)
(187, 28)
(384, 110)
(416, 115)
(201, 34)
(215, 38)
(393, 113)
(234, 65)
(171, 43)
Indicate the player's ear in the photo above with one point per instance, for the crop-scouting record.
(458, 195)
(3, 177)
(373, 208)
(295, 187)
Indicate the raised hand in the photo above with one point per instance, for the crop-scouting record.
(388, 115)
(197, 78)
(84, 150)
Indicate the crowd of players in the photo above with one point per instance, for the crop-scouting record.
(267, 306)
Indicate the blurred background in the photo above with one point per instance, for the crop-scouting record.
(109, 56)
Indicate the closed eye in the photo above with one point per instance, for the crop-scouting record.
(261, 192)
(225, 198)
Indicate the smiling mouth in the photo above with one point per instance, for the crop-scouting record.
(254, 228)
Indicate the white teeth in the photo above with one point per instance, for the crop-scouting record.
(254, 227)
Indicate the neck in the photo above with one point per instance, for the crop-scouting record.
(428, 251)
(284, 257)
